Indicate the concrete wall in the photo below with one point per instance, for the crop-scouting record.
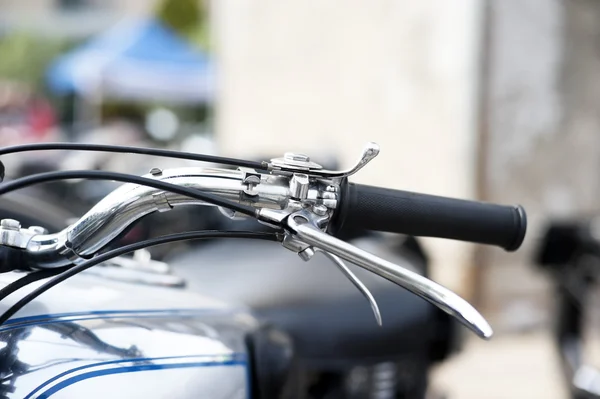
(542, 123)
(318, 76)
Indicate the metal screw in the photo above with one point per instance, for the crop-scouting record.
(290, 156)
(320, 210)
(251, 179)
(306, 254)
(156, 171)
(10, 224)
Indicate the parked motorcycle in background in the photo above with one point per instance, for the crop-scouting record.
(570, 253)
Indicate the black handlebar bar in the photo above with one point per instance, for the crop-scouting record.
(396, 211)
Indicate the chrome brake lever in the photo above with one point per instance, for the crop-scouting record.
(301, 223)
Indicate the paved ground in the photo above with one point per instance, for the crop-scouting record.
(508, 366)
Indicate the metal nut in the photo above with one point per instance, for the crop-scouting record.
(320, 210)
(10, 224)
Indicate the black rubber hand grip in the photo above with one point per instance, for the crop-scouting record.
(396, 211)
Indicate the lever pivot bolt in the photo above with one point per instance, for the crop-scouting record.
(320, 210)
(306, 254)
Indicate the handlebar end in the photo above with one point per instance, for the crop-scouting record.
(521, 229)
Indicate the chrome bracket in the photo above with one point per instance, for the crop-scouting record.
(306, 251)
(297, 163)
(13, 235)
(161, 202)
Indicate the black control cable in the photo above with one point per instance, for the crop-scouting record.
(127, 178)
(132, 150)
(72, 271)
(29, 278)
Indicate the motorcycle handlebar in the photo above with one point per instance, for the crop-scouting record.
(354, 206)
(296, 196)
(397, 211)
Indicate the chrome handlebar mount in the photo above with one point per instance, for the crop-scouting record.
(292, 194)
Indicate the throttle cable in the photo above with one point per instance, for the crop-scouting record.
(133, 150)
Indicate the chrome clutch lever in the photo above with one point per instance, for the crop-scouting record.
(301, 224)
(356, 281)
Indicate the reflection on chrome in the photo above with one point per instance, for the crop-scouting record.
(58, 349)
(128, 203)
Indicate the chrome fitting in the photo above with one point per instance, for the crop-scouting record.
(299, 186)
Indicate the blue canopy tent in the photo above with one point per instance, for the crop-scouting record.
(135, 60)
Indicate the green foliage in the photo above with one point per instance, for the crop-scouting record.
(189, 18)
(200, 37)
(24, 58)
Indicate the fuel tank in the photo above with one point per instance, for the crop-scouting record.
(90, 337)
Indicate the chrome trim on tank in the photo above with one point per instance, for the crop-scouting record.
(82, 373)
(165, 353)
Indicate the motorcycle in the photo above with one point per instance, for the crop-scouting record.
(421, 335)
(569, 253)
(153, 342)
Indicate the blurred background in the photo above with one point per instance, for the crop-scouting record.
(482, 99)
